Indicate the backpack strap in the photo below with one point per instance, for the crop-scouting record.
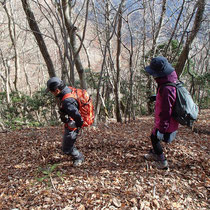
(173, 84)
(168, 84)
(70, 95)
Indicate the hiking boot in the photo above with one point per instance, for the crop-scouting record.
(78, 162)
(161, 164)
(151, 156)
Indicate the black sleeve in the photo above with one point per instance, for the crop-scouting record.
(70, 107)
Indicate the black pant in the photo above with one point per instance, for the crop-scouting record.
(156, 143)
(69, 139)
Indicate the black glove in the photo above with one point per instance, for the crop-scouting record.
(63, 117)
(152, 98)
(72, 124)
(78, 129)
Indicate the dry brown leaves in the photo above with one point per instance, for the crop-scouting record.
(115, 174)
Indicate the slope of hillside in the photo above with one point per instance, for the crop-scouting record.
(36, 175)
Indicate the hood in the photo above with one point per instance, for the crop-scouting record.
(169, 78)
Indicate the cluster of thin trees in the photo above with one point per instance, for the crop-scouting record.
(107, 42)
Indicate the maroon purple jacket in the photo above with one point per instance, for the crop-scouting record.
(165, 100)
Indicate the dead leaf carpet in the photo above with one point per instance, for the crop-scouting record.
(34, 174)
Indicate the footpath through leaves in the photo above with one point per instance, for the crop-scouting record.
(34, 174)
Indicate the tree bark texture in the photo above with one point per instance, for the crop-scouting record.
(12, 34)
(71, 28)
(39, 38)
(153, 50)
(196, 26)
(117, 81)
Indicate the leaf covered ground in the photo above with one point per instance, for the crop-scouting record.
(34, 174)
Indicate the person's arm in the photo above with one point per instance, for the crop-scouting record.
(70, 106)
(168, 97)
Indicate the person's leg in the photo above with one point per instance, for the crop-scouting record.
(156, 154)
(68, 142)
(69, 139)
(157, 148)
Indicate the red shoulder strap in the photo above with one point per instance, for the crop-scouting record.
(70, 95)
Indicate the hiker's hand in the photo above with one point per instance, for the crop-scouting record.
(74, 133)
(63, 118)
(78, 129)
(160, 136)
(72, 124)
(152, 98)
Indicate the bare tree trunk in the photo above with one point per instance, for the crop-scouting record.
(104, 48)
(117, 81)
(35, 29)
(149, 79)
(6, 78)
(71, 28)
(196, 26)
(129, 111)
(98, 95)
(26, 76)
(175, 27)
(153, 50)
(159, 27)
(144, 33)
(148, 84)
(12, 34)
(130, 101)
(66, 56)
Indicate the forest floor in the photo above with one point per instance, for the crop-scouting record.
(34, 174)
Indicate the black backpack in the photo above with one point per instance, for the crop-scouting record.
(185, 110)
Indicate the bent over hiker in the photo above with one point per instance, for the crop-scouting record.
(165, 126)
(69, 114)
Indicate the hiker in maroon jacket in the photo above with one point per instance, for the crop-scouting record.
(165, 128)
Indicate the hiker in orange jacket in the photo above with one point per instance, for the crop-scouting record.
(69, 114)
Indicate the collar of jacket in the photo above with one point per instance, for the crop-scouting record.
(64, 92)
(169, 78)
